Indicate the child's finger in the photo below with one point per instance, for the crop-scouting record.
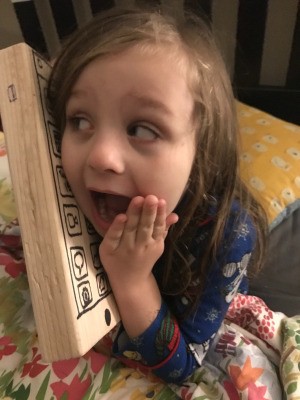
(160, 227)
(148, 216)
(133, 214)
(114, 234)
(170, 220)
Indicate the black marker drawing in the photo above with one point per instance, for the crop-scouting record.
(64, 187)
(107, 316)
(79, 264)
(12, 93)
(85, 294)
(90, 285)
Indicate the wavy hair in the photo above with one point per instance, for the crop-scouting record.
(215, 171)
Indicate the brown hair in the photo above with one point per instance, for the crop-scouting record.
(214, 180)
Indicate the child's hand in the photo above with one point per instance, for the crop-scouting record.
(129, 250)
(135, 240)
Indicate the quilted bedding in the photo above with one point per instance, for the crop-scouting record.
(255, 354)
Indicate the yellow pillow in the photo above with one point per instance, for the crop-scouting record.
(8, 212)
(270, 161)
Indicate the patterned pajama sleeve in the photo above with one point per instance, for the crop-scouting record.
(172, 350)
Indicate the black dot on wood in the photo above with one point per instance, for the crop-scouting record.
(107, 316)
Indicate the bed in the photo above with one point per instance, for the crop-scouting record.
(256, 353)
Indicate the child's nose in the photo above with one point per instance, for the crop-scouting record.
(106, 155)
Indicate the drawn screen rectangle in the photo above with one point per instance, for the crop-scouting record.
(72, 300)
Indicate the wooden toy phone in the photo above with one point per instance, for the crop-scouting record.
(72, 300)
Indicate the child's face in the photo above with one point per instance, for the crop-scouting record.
(128, 133)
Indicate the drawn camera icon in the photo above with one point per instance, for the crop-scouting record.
(85, 294)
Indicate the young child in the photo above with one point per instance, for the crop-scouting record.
(150, 149)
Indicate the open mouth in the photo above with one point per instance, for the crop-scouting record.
(110, 205)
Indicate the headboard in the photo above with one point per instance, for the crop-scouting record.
(260, 39)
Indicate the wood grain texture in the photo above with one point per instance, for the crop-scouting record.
(72, 300)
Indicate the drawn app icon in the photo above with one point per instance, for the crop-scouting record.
(64, 187)
(39, 64)
(102, 284)
(72, 219)
(91, 230)
(55, 139)
(85, 294)
(95, 255)
(79, 264)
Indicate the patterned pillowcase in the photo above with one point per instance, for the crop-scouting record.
(8, 212)
(270, 165)
(270, 161)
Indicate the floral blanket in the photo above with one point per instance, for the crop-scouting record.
(255, 355)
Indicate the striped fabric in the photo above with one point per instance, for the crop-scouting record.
(260, 39)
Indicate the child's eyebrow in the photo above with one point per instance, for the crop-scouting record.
(150, 102)
(146, 101)
(77, 93)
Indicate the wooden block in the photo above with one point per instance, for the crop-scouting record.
(72, 300)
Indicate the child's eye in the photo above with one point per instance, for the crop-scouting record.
(142, 132)
(79, 123)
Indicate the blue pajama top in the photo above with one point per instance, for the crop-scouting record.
(173, 348)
